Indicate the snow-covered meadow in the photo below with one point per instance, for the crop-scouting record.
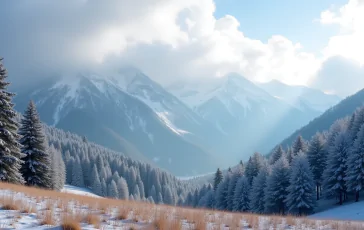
(30, 208)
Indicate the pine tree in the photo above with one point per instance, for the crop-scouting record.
(335, 173)
(10, 162)
(77, 174)
(168, 198)
(241, 195)
(218, 178)
(96, 183)
(276, 190)
(231, 190)
(317, 158)
(112, 190)
(35, 169)
(301, 194)
(136, 192)
(221, 194)
(253, 166)
(58, 171)
(277, 153)
(257, 193)
(123, 189)
(355, 164)
(299, 145)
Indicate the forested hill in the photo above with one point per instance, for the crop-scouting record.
(345, 108)
(109, 173)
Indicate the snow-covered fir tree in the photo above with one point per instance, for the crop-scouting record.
(257, 193)
(253, 166)
(123, 189)
(276, 154)
(316, 155)
(241, 195)
(299, 145)
(58, 170)
(77, 174)
(231, 189)
(335, 172)
(221, 194)
(355, 164)
(10, 162)
(35, 169)
(113, 190)
(301, 191)
(218, 178)
(276, 190)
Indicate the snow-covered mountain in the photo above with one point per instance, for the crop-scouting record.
(301, 97)
(252, 118)
(128, 112)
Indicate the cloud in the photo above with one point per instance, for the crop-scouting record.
(339, 75)
(349, 42)
(168, 39)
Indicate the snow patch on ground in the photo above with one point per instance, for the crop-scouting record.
(353, 211)
(78, 191)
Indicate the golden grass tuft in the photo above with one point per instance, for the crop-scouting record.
(93, 220)
(47, 218)
(70, 225)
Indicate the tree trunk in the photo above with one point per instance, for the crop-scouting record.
(317, 191)
(356, 196)
(340, 198)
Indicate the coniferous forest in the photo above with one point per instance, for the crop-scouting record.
(291, 180)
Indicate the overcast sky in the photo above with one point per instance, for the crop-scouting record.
(313, 43)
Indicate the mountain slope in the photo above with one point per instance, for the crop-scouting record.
(250, 118)
(301, 97)
(100, 109)
(345, 108)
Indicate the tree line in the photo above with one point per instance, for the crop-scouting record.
(292, 180)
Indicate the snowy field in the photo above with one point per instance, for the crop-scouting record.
(351, 212)
(28, 208)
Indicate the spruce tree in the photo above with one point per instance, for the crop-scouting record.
(58, 171)
(253, 166)
(123, 189)
(231, 190)
(335, 173)
(301, 195)
(277, 153)
(10, 162)
(299, 145)
(77, 174)
(276, 190)
(35, 168)
(218, 178)
(241, 195)
(112, 190)
(257, 193)
(317, 158)
(355, 164)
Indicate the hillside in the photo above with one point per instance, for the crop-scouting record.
(345, 108)
(31, 208)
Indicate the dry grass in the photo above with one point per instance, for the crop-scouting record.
(93, 220)
(70, 225)
(47, 218)
(69, 208)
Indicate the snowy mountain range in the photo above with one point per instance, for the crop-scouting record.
(187, 129)
(301, 97)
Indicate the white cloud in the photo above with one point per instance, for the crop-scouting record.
(349, 42)
(167, 39)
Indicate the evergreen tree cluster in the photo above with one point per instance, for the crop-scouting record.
(291, 180)
(25, 157)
